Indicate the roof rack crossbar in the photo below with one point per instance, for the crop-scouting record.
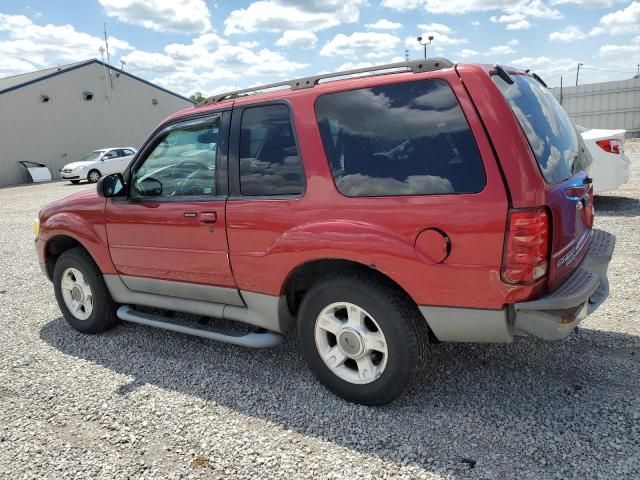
(415, 66)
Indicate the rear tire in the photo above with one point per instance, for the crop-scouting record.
(362, 337)
(93, 176)
(81, 293)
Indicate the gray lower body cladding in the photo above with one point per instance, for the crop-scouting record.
(265, 311)
(551, 317)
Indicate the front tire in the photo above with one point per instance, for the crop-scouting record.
(75, 182)
(81, 293)
(93, 176)
(362, 337)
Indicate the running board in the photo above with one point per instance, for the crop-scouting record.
(252, 340)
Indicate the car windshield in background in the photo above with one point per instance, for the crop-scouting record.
(546, 124)
(92, 156)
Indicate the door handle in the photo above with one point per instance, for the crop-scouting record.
(208, 217)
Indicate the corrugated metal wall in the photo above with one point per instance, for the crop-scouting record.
(68, 127)
(604, 105)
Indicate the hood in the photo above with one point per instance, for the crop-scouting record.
(74, 203)
(78, 164)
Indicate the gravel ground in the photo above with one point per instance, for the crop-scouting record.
(143, 403)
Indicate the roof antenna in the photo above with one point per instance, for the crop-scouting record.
(106, 85)
(106, 42)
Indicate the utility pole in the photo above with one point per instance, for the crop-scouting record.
(406, 55)
(561, 90)
(578, 73)
(638, 74)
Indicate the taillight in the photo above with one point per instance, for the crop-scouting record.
(610, 145)
(526, 248)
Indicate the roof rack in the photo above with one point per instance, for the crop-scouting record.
(416, 66)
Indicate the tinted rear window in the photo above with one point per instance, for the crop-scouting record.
(551, 133)
(404, 139)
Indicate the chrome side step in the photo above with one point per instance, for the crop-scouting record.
(252, 340)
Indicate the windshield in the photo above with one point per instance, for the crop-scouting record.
(551, 133)
(92, 156)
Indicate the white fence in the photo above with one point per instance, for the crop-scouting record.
(604, 105)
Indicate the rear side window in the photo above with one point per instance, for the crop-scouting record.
(269, 159)
(404, 139)
(551, 133)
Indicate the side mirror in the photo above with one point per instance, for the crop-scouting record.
(111, 186)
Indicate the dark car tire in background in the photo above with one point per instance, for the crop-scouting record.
(383, 317)
(93, 176)
(75, 182)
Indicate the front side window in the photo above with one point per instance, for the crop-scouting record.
(269, 159)
(183, 162)
(403, 139)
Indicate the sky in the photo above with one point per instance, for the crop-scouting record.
(217, 46)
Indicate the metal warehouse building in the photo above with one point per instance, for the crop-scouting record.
(58, 115)
(608, 105)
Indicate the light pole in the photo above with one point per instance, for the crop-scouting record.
(578, 73)
(430, 38)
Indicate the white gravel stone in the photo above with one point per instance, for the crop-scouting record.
(142, 403)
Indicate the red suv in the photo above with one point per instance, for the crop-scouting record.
(415, 203)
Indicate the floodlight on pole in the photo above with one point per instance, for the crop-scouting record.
(430, 38)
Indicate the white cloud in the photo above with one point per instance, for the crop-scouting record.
(569, 34)
(514, 21)
(443, 36)
(617, 50)
(297, 38)
(282, 15)
(384, 24)
(519, 25)
(546, 66)
(491, 52)
(29, 46)
(586, 3)
(475, 23)
(467, 52)
(513, 42)
(622, 21)
(435, 27)
(500, 50)
(187, 67)
(371, 44)
(402, 5)
(183, 16)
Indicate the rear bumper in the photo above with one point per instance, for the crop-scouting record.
(553, 316)
(550, 317)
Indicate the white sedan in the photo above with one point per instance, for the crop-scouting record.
(610, 167)
(98, 163)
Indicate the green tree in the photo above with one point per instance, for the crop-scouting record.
(197, 97)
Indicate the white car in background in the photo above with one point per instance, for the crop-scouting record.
(98, 163)
(610, 167)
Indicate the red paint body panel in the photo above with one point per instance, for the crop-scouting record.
(81, 217)
(267, 239)
(157, 240)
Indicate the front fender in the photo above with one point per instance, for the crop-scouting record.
(88, 232)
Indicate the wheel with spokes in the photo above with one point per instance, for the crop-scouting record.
(81, 293)
(93, 176)
(361, 337)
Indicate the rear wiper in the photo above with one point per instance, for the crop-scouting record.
(502, 73)
(540, 81)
